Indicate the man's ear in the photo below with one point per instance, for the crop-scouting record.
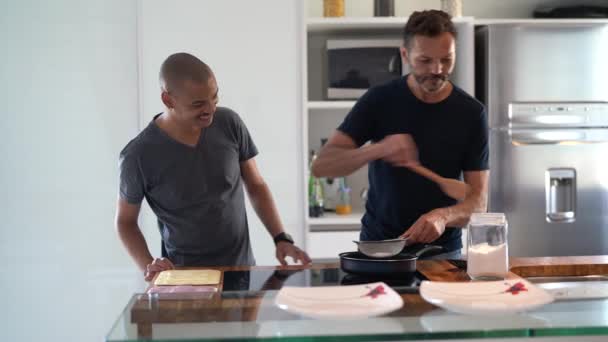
(167, 100)
(403, 52)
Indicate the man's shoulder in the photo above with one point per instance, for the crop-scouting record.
(227, 115)
(143, 141)
(384, 94)
(228, 119)
(464, 99)
(225, 111)
(390, 87)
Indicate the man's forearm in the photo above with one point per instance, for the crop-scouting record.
(336, 161)
(134, 241)
(458, 215)
(263, 203)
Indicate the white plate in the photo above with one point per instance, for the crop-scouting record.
(483, 298)
(339, 302)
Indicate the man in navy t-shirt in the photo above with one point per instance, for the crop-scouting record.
(419, 119)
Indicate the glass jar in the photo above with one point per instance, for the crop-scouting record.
(452, 7)
(333, 8)
(487, 246)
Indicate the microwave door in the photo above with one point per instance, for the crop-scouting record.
(356, 65)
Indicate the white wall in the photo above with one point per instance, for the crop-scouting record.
(68, 89)
(252, 48)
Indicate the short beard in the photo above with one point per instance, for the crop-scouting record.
(421, 79)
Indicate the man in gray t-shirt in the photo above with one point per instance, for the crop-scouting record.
(190, 164)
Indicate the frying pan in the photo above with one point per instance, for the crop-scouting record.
(403, 263)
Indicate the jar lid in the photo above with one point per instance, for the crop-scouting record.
(487, 219)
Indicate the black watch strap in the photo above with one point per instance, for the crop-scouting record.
(283, 237)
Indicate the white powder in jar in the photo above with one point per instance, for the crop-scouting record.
(484, 260)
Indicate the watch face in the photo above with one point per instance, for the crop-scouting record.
(283, 237)
(288, 238)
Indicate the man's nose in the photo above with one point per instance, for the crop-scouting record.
(436, 68)
(209, 107)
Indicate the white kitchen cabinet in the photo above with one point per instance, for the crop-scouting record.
(327, 235)
(328, 244)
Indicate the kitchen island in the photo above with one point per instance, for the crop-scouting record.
(242, 308)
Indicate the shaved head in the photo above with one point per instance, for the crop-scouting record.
(180, 68)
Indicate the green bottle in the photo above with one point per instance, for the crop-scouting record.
(315, 191)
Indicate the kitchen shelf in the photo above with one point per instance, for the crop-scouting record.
(548, 21)
(332, 219)
(361, 23)
(330, 104)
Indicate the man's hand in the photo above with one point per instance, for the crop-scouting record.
(158, 265)
(399, 150)
(285, 249)
(427, 228)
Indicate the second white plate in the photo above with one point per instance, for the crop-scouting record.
(483, 298)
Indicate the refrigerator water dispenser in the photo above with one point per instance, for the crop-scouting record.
(560, 188)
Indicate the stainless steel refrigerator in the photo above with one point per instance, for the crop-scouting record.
(545, 85)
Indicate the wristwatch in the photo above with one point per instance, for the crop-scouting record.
(283, 237)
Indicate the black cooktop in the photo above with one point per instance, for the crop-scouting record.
(262, 280)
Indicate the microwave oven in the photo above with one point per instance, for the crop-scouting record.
(355, 65)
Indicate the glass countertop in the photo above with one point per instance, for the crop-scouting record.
(252, 316)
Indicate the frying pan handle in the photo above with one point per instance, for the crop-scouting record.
(428, 248)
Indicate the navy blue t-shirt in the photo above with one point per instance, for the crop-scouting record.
(452, 137)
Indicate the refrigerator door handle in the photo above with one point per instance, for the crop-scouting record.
(558, 136)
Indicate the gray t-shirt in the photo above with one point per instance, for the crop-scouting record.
(196, 192)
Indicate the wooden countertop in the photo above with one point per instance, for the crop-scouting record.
(560, 266)
(442, 270)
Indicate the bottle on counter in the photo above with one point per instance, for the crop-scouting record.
(315, 191)
(331, 193)
(343, 207)
(331, 189)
